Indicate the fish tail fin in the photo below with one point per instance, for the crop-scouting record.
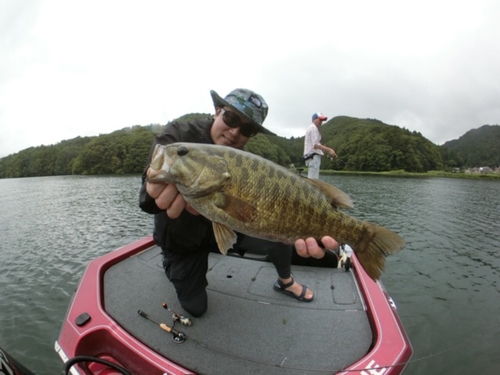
(376, 245)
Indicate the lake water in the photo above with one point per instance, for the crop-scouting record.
(446, 281)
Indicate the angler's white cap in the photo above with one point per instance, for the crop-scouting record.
(319, 115)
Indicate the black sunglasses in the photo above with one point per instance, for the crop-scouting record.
(232, 120)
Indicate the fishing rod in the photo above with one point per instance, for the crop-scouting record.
(177, 336)
(337, 158)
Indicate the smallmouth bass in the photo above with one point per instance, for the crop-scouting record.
(241, 191)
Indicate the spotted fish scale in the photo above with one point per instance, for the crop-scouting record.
(287, 205)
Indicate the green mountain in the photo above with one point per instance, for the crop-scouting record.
(361, 145)
(478, 147)
(371, 145)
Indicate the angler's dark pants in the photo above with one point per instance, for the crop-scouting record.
(188, 272)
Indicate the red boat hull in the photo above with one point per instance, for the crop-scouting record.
(102, 337)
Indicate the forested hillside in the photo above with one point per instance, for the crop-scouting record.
(123, 151)
(478, 147)
(361, 144)
(371, 145)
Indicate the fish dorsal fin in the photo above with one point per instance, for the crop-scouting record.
(235, 207)
(337, 197)
(224, 236)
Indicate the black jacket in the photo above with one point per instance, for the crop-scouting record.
(188, 232)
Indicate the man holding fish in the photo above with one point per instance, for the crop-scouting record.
(185, 236)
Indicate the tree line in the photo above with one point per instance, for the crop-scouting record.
(123, 151)
(361, 144)
(478, 147)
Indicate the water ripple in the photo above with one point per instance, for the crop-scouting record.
(445, 281)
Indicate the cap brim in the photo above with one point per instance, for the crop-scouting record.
(220, 102)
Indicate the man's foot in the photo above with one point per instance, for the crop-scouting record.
(293, 289)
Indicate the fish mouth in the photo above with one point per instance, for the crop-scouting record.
(159, 169)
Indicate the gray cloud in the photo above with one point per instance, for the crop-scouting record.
(72, 70)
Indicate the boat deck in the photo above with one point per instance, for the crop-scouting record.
(248, 328)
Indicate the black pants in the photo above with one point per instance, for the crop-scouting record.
(188, 272)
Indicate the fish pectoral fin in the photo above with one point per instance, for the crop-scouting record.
(337, 197)
(236, 208)
(224, 236)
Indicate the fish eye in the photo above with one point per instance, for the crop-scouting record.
(181, 151)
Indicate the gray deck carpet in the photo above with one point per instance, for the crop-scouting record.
(249, 328)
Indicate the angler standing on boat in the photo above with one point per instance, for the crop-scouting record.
(186, 238)
(313, 149)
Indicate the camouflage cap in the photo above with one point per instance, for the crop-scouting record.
(247, 103)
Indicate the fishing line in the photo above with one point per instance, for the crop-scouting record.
(122, 370)
(329, 371)
(412, 360)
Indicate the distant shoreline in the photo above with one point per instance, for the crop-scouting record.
(400, 173)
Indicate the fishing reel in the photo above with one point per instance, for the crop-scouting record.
(184, 320)
(177, 336)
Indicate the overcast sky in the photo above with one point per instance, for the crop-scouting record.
(83, 68)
